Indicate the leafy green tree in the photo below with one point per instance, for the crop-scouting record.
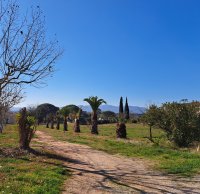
(94, 102)
(44, 110)
(126, 110)
(181, 121)
(85, 118)
(73, 110)
(108, 115)
(151, 117)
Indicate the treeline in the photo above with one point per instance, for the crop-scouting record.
(28, 119)
(50, 114)
(179, 120)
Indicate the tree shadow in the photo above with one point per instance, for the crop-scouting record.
(55, 156)
(137, 181)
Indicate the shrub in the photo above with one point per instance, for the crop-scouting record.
(181, 121)
(27, 128)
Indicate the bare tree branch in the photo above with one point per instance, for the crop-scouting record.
(26, 57)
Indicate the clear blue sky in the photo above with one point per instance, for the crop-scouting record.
(147, 50)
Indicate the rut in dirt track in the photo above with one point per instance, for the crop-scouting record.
(98, 172)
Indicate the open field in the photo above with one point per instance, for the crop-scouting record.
(22, 172)
(162, 154)
(146, 166)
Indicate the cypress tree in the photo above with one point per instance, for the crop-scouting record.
(121, 127)
(126, 110)
(121, 108)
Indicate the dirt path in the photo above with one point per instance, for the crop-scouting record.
(98, 172)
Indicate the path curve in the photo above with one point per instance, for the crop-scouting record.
(96, 172)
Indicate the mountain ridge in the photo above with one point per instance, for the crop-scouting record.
(105, 107)
(115, 109)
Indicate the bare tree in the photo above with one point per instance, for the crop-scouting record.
(26, 54)
(26, 57)
(10, 96)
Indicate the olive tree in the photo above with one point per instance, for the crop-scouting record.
(151, 118)
(181, 121)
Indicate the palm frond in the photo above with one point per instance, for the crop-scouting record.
(94, 102)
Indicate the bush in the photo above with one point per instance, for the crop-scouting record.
(27, 128)
(181, 121)
(134, 121)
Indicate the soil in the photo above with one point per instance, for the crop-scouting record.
(97, 172)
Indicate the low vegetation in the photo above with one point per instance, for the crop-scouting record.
(162, 153)
(21, 172)
(179, 120)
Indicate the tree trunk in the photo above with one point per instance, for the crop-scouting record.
(65, 124)
(52, 124)
(47, 125)
(24, 145)
(58, 125)
(150, 133)
(77, 126)
(121, 130)
(1, 128)
(94, 126)
(25, 131)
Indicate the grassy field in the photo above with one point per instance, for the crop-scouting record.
(162, 153)
(22, 172)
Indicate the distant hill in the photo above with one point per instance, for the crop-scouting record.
(132, 109)
(105, 107)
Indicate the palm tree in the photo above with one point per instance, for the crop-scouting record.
(65, 112)
(58, 120)
(94, 102)
(76, 121)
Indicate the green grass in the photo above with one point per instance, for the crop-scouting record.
(25, 172)
(162, 153)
